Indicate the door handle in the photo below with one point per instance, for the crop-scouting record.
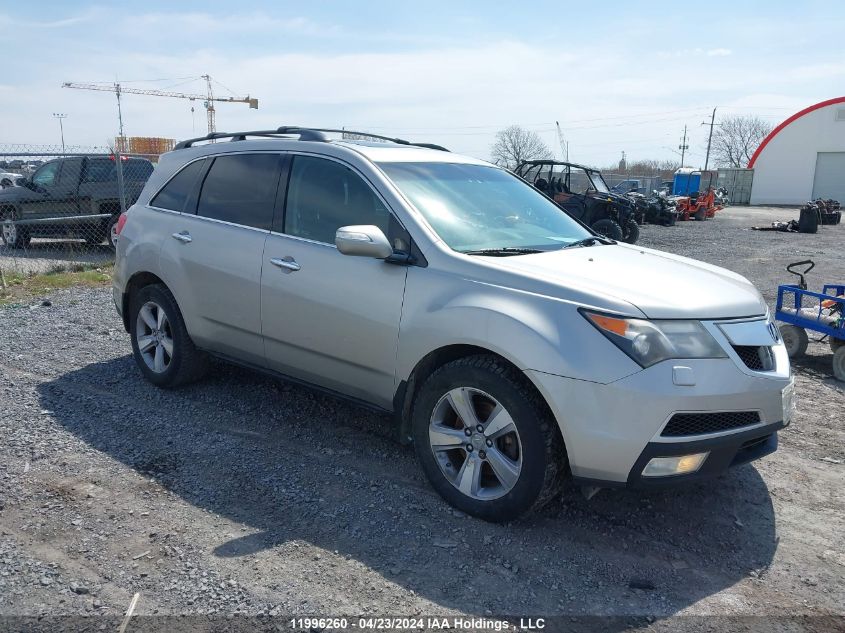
(288, 263)
(183, 237)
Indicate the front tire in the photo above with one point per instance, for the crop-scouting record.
(632, 232)
(608, 228)
(162, 348)
(795, 339)
(14, 235)
(486, 440)
(835, 343)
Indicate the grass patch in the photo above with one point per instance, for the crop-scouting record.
(21, 288)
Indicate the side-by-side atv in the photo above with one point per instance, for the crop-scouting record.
(583, 194)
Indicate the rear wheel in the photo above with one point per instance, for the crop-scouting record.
(795, 339)
(485, 439)
(161, 345)
(700, 215)
(835, 343)
(608, 228)
(111, 232)
(839, 364)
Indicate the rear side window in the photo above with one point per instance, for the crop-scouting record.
(241, 188)
(176, 192)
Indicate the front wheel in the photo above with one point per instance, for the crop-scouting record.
(485, 440)
(161, 345)
(795, 339)
(632, 232)
(14, 235)
(608, 228)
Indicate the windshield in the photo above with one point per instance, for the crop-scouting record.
(475, 207)
(598, 182)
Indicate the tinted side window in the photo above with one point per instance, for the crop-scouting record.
(324, 195)
(46, 175)
(176, 192)
(241, 188)
(69, 173)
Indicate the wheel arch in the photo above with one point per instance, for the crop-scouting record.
(403, 399)
(135, 283)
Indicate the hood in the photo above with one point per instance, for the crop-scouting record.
(658, 284)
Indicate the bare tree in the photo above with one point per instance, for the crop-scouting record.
(515, 144)
(736, 138)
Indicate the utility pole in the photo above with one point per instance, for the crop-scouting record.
(709, 138)
(60, 117)
(683, 146)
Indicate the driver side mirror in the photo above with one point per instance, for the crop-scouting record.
(363, 240)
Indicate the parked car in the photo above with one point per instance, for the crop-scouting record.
(8, 179)
(513, 345)
(627, 186)
(72, 196)
(583, 193)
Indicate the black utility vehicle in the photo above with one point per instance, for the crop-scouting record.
(74, 196)
(583, 194)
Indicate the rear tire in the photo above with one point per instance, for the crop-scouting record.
(111, 232)
(795, 339)
(835, 343)
(608, 228)
(161, 345)
(700, 215)
(839, 364)
(507, 458)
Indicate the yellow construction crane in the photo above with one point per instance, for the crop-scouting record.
(208, 99)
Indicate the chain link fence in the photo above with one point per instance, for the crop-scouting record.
(59, 206)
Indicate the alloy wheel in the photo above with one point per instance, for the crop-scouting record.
(10, 232)
(475, 443)
(154, 337)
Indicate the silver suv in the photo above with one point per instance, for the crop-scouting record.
(513, 345)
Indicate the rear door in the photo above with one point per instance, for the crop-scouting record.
(212, 252)
(328, 318)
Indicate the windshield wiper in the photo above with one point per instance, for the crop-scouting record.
(589, 241)
(504, 251)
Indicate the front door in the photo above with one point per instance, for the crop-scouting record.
(328, 318)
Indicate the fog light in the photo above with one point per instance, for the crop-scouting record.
(680, 465)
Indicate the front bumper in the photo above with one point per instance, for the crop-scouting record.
(612, 430)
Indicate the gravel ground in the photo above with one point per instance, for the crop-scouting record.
(247, 495)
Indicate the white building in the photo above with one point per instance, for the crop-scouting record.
(803, 158)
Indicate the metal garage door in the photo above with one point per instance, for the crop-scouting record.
(830, 176)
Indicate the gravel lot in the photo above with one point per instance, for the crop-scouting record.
(248, 495)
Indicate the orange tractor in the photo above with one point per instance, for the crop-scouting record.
(698, 206)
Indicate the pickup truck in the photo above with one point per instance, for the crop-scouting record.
(73, 196)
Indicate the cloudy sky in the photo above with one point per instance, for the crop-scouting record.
(618, 76)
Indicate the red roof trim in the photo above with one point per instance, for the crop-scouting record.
(794, 117)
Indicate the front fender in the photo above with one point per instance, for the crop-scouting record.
(532, 331)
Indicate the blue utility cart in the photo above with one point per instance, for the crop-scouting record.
(800, 310)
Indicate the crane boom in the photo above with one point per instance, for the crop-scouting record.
(208, 99)
(158, 93)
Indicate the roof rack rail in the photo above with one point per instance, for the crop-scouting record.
(304, 133)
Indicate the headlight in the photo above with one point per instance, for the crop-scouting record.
(649, 342)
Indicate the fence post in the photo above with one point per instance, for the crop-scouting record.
(121, 193)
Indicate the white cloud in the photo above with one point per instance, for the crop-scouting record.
(719, 52)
